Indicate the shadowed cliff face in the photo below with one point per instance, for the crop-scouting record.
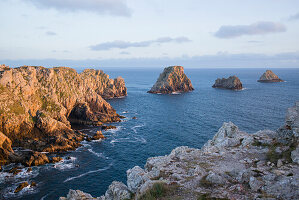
(233, 83)
(37, 105)
(172, 79)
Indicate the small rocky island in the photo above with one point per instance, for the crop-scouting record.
(172, 79)
(38, 106)
(232, 83)
(232, 165)
(269, 77)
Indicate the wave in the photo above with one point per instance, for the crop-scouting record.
(99, 155)
(138, 126)
(84, 174)
(113, 131)
(9, 191)
(66, 164)
(175, 93)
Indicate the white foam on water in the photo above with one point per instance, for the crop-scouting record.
(9, 192)
(99, 155)
(65, 164)
(125, 112)
(113, 131)
(84, 174)
(141, 139)
(138, 126)
(4, 176)
(175, 93)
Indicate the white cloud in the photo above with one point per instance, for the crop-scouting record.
(111, 7)
(119, 44)
(258, 28)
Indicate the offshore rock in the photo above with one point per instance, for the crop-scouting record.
(233, 83)
(232, 165)
(172, 79)
(269, 77)
(98, 135)
(38, 105)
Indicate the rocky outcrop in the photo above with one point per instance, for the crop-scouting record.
(77, 195)
(172, 79)
(5, 148)
(38, 105)
(269, 77)
(232, 165)
(233, 83)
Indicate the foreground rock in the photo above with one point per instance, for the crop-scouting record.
(232, 83)
(269, 77)
(38, 105)
(172, 79)
(232, 165)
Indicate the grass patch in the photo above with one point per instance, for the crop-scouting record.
(208, 197)
(273, 156)
(17, 108)
(158, 190)
(49, 105)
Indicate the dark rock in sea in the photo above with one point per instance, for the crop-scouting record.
(38, 105)
(134, 117)
(21, 186)
(233, 83)
(15, 170)
(56, 159)
(104, 127)
(29, 170)
(33, 184)
(172, 79)
(122, 117)
(269, 77)
(98, 135)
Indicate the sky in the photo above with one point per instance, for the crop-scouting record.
(150, 33)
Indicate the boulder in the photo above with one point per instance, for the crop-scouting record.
(98, 135)
(269, 77)
(117, 191)
(172, 79)
(232, 83)
(136, 177)
(21, 186)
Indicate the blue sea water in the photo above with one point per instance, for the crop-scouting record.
(163, 123)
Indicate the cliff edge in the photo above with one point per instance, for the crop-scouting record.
(38, 105)
(172, 79)
(232, 165)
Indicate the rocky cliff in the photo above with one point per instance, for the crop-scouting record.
(233, 83)
(269, 77)
(38, 105)
(172, 79)
(232, 165)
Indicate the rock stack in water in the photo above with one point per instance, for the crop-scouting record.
(172, 79)
(269, 77)
(233, 83)
(38, 105)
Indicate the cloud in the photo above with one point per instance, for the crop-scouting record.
(119, 44)
(110, 7)
(258, 28)
(294, 17)
(124, 53)
(50, 33)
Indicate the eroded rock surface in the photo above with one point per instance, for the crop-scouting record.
(232, 165)
(38, 105)
(172, 79)
(233, 83)
(269, 77)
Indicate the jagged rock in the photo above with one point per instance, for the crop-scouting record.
(172, 79)
(98, 135)
(56, 159)
(136, 177)
(233, 83)
(117, 191)
(77, 195)
(21, 186)
(104, 127)
(5, 148)
(15, 170)
(255, 184)
(269, 77)
(37, 105)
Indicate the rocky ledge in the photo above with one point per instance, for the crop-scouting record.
(172, 79)
(232, 83)
(233, 165)
(269, 77)
(38, 105)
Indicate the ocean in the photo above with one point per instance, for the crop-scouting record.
(163, 123)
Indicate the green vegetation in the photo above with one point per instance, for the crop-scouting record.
(49, 105)
(274, 156)
(158, 190)
(16, 108)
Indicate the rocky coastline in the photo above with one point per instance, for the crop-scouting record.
(269, 77)
(172, 80)
(38, 106)
(232, 165)
(232, 83)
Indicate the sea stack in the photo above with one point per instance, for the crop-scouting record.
(269, 77)
(172, 79)
(232, 83)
